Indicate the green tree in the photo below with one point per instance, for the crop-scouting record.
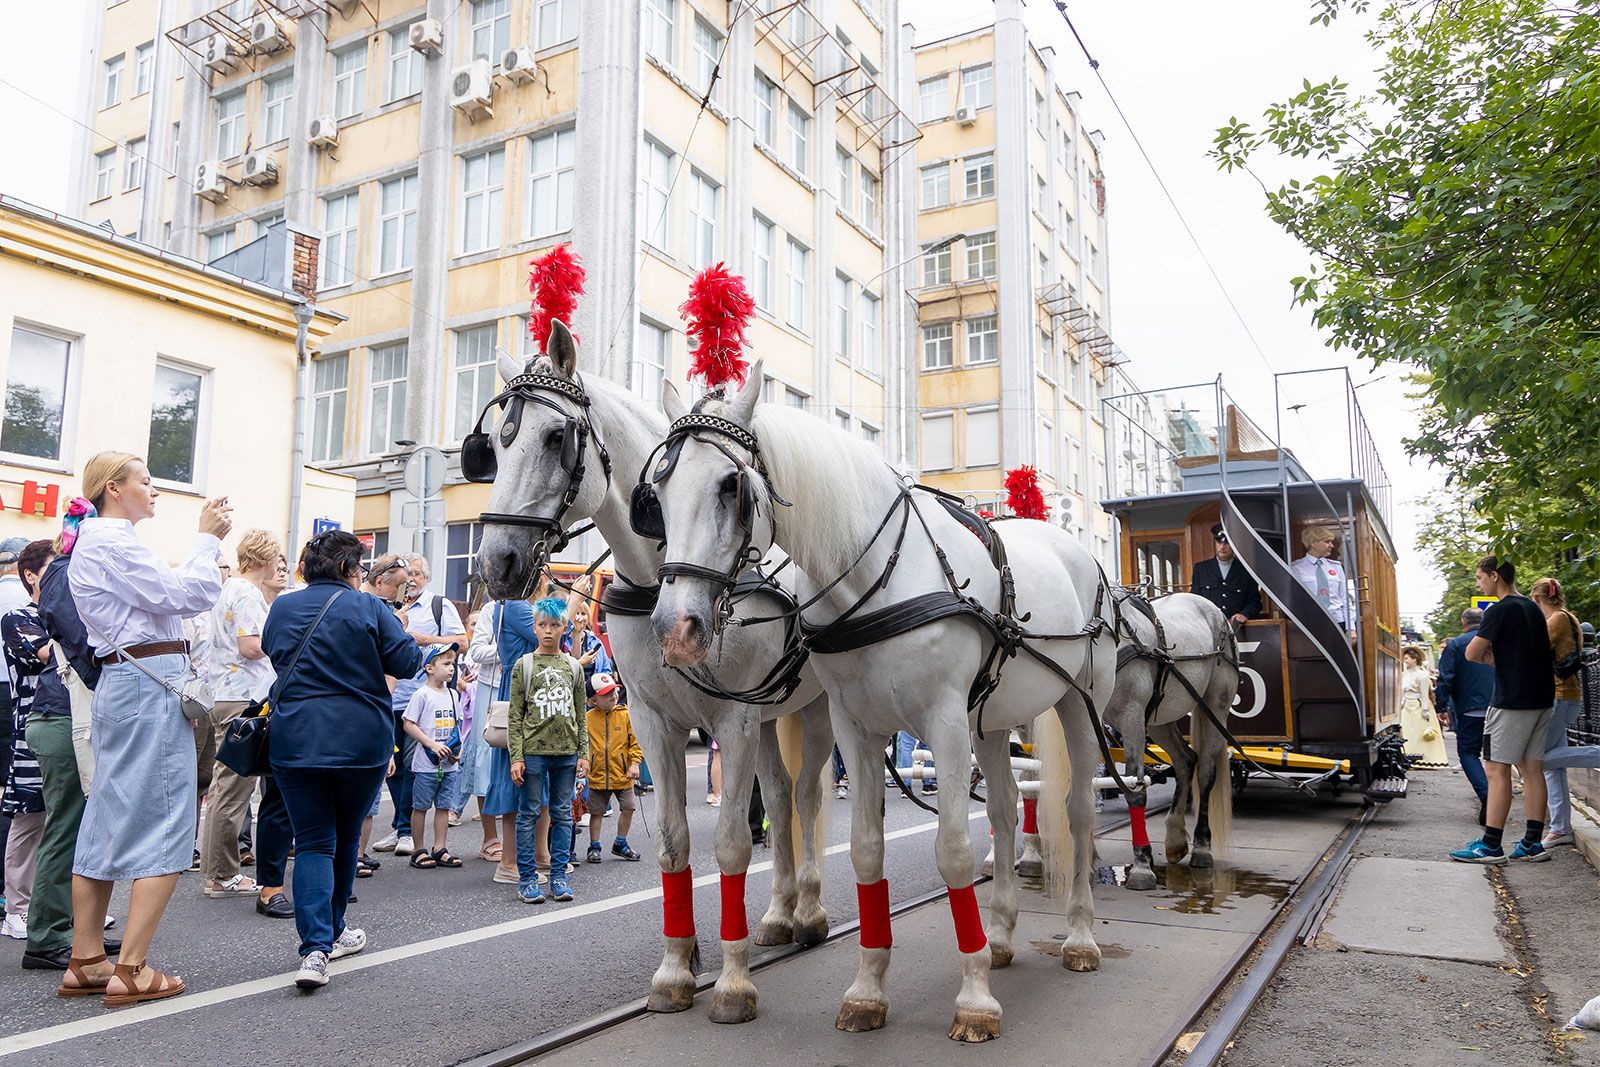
(1453, 218)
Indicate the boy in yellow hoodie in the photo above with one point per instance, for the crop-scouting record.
(614, 756)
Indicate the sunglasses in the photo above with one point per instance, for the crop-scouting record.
(373, 576)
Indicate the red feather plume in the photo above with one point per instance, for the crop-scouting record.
(556, 281)
(1022, 494)
(717, 311)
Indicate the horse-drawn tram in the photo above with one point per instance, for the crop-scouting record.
(1319, 650)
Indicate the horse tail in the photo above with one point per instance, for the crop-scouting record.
(1220, 812)
(1055, 781)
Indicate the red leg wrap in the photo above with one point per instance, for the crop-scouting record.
(1030, 815)
(734, 926)
(1141, 838)
(969, 927)
(873, 900)
(677, 903)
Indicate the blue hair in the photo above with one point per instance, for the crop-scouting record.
(552, 608)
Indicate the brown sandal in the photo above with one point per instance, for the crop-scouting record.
(162, 987)
(86, 987)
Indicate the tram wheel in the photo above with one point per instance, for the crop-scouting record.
(1241, 778)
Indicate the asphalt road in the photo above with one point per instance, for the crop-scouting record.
(455, 967)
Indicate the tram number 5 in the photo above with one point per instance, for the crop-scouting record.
(1256, 688)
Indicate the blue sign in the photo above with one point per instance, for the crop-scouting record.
(322, 526)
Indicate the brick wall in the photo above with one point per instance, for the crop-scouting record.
(303, 278)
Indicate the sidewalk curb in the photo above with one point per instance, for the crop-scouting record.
(1586, 831)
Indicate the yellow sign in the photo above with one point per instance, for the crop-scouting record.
(1482, 602)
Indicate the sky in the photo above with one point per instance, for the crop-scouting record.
(1179, 70)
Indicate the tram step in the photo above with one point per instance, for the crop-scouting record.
(1387, 788)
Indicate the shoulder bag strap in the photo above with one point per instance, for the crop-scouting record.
(146, 671)
(294, 660)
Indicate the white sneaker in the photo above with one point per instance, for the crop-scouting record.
(842, 792)
(404, 846)
(350, 942)
(1553, 840)
(15, 926)
(386, 844)
(313, 971)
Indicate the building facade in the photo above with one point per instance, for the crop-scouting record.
(107, 344)
(436, 146)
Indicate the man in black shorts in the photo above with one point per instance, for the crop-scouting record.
(1514, 640)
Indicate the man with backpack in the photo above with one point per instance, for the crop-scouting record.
(431, 618)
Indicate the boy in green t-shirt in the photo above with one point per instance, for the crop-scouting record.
(548, 742)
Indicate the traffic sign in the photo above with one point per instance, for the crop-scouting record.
(425, 470)
(322, 526)
(1482, 602)
(422, 513)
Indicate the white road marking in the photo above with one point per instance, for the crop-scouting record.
(50, 1035)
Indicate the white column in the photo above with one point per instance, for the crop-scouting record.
(1014, 234)
(194, 141)
(902, 395)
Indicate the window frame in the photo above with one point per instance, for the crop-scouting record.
(403, 219)
(943, 264)
(657, 223)
(144, 63)
(797, 127)
(767, 100)
(973, 168)
(966, 436)
(986, 248)
(705, 46)
(389, 386)
(797, 283)
(566, 11)
(971, 82)
(492, 193)
(949, 420)
(497, 23)
(133, 167)
(230, 127)
(869, 315)
(341, 393)
(702, 251)
(276, 110)
(350, 86)
(402, 58)
(462, 419)
(104, 173)
(67, 418)
(763, 273)
(942, 92)
(562, 176)
(930, 332)
(348, 240)
(660, 365)
(202, 424)
(844, 314)
(658, 29)
(975, 330)
(111, 71)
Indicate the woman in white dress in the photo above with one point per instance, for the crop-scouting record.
(1419, 723)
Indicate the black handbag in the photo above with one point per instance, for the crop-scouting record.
(244, 749)
(1571, 664)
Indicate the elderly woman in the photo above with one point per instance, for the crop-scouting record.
(331, 733)
(138, 824)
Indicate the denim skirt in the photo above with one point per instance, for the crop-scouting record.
(139, 820)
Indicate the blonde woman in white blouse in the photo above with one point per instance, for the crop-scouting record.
(138, 823)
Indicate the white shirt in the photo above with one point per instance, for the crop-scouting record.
(1337, 602)
(241, 612)
(481, 649)
(420, 616)
(13, 594)
(124, 593)
(1223, 567)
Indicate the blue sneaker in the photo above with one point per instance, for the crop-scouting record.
(559, 892)
(1478, 852)
(529, 893)
(1526, 853)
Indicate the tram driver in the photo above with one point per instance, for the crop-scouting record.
(1225, 582)
(1323, 576)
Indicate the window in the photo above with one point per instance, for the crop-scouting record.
(1041, 116)
(707, 49)
(172, 161)
(702, 221)
(329, 376)
(799, 282)
(936, 267)
(133, 167)
(799, 137)
(933, 99)
(796, 399)
(983, 437)
(978, 173)
(935, 186)
(105, 166)
(655, 175)
(340, 219)
(550, 181)
(111, 81)
(558, 22)
(350, 80)
(1074, 376)
(869, 434)
(1046, 446)
(766, 251)
(219, 244)
(277, 95)
(230, 125)
(173, 455)
(266, 222)
(36, 394)
(397, 224)
(490, 26)
(977, 86)
(144, 61)
(870, 360)
(869, 200)
(938, 346)
(651, 353)
(1094, 260)
(386, 412)
(405, 65)
(474, 380)
(1041, 196)
(1075, 458)
(461, 543)
(981, 256)
(938, 442)
(844, 186)
(660, 28)
(841, 419)
(766, 111)
(1044, 269)
(841, 317)
(1044, 355)
(482, 189)
(983, 339)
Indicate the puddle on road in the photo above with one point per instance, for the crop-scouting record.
(1108, 951)
(1199, 892)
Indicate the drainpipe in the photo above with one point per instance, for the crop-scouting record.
(297, 453)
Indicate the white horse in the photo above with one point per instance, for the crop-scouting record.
(1159, 671)
(854, 525)
(534, 479)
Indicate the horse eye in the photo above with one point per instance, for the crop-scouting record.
(552, 440)
(729, 486)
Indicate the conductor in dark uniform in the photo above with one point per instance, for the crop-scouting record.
(1226, 583)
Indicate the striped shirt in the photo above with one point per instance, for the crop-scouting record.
(22, 635)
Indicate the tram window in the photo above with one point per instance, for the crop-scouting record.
(1159, 565)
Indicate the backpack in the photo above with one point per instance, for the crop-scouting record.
(497, 730)
(1568, 666)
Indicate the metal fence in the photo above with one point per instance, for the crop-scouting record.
(1587, 729)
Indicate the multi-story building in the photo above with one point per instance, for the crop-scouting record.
(1014, 357)
(436, 146)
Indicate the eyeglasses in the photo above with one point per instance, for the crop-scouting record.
(373, 576)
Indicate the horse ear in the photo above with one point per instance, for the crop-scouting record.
(742, 407)
(510, 366)
(562, 349)
(671, 401)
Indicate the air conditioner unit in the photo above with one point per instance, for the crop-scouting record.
(966, 115)
(345, 7)
(472, 90)
(260, 168)
(210, 181)
(427, 36)
(518, 65)
(222, 52)
(324, 132)
(267, 34)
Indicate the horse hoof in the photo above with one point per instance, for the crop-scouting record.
(1201, 860)
(1083, 959)
(733, 1007)
(1141, 879)
(671, 999)
(774, 934)
(810, 934)
(1030, 868)
(974, 1027)
(999, 955)
(859, 1016)
(1175, 853)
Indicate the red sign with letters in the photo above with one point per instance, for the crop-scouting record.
(33, 498)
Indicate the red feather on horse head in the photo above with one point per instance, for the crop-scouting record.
(1022, 494)
(556, 281)
(716, 313)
